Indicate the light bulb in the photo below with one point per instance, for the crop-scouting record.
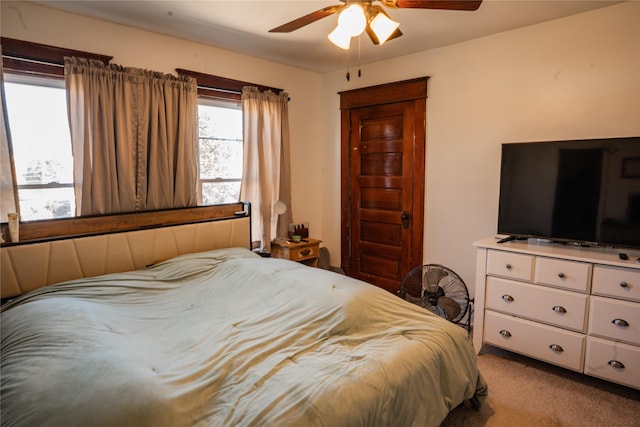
(352, 20)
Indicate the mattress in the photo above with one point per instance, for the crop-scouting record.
(228, 338)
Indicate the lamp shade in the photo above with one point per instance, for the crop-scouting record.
(279, 207)
(383, 26)
(352, 20)
(340, 38)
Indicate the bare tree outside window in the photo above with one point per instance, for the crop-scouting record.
(220, 132)
(37, 112)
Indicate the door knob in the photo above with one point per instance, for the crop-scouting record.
(405, 219)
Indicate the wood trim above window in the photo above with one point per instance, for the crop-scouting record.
(23, 57)
(221, 87)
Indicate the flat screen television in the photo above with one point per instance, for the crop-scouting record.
(585, 192)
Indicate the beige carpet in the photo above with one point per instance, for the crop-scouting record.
(527, 392)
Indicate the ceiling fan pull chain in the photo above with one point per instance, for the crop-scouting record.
(348, 73)
(359, 70)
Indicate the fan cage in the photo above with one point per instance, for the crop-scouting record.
(436, 288)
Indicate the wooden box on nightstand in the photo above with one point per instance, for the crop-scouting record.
(306, 252)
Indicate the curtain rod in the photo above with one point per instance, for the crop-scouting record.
(223, 83)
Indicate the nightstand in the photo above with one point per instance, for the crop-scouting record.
(305, 252)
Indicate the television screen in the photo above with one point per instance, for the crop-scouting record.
(582, 191)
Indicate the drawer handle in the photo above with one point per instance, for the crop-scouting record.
(559, 309)
(624, 285)
(620, 322)
(556, 348)
(616, 364)
(562, 276)
(507, 298)
(305, 252)
(508, 267)
(505, 333)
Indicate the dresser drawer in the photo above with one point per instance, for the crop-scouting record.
(617, 282)
(511, 265)
(553, 345)
(553, 306)
(613, 361)
(571, 275)
(615, 319)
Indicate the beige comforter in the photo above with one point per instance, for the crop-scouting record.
(226, 338)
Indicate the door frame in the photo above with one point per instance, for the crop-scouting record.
(408, 90)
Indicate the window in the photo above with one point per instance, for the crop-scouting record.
(37, 118)
(37, 113)
(220, 136)
(221, 131)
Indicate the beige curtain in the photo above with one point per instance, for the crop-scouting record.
(134, 136)
(8, 186)
(266, 170)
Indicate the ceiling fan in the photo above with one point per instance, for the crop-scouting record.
(358, 16)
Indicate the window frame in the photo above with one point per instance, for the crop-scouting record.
(222, 103)
(23, 57)
(38, 64)
(215, 89)
(36, 80)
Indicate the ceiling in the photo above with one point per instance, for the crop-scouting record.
(243, 25)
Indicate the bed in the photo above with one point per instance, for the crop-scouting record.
(224, 337)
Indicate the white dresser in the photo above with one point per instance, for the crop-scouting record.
(578, 308)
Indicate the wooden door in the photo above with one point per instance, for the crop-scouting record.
(383, 147)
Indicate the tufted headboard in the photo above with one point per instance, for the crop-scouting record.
(30, 265)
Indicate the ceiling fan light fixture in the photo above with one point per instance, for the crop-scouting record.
(352, 20)
(340, 38)
(383, 26)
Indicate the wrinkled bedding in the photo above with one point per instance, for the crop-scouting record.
(227, 338)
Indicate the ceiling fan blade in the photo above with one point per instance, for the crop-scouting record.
(307, 19)
(433, 4)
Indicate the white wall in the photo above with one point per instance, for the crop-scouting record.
(576, 77)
